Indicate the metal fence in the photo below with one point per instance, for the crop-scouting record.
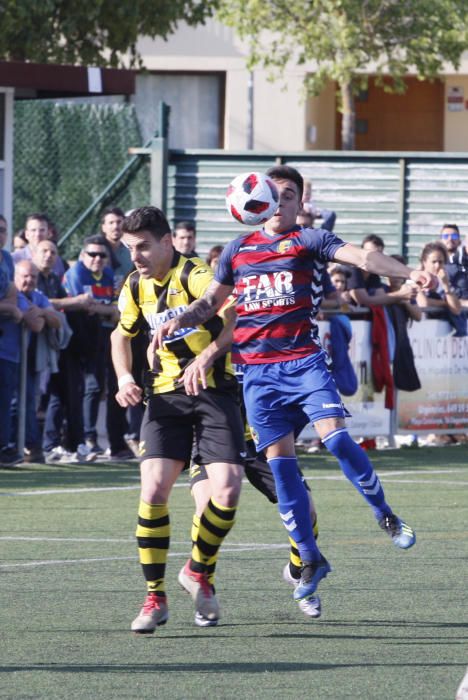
(65, 155)
(403, 197)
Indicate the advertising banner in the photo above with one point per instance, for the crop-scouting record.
(441, 405)
(369, 417)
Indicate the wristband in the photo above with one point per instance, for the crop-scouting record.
(126, 379)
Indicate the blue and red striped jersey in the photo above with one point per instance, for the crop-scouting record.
(279, 287)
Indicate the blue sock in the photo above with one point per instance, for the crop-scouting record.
(294, 506)
(357, 468)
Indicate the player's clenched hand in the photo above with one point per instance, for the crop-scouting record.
(165, 329)
(129, 395)
(425, 280)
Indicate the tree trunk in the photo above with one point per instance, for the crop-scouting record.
(348, 123)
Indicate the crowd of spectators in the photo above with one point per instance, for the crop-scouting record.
(63, 314)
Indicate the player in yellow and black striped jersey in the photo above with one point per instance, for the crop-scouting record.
(149, 301)
(164, 284)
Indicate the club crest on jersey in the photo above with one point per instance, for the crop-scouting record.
(284, 246)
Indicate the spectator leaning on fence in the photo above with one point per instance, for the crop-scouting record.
(19, 241)
(339, 275)
(36, 229)
(442, 302)
(213, 256)
(457, 265)
(6, 261)
(327, 217)
(44, 316)
(119, 255)
(92, 275)
(65, 392)
(367, 289)
(10, 320)
(184, 238)
(121, 263)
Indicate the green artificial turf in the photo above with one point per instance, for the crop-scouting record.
(394, 623)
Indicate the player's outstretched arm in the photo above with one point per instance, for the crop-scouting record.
(198, 312)
(380, 264)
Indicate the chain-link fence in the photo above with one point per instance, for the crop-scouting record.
(65, 155)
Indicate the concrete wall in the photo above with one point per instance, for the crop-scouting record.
(456, 122)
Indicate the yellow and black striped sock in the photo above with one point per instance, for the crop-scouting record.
(211, 566)
(295, 562)
(215, 523)
(153, 534)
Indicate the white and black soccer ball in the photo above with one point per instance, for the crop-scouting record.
(252, 198)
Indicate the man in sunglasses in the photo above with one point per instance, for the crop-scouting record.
(457, 266)
(93, 275)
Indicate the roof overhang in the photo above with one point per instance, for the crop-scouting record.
(50, 80)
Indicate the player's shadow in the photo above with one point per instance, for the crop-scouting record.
(212, 667)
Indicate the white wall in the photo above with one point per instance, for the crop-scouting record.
(278, 114)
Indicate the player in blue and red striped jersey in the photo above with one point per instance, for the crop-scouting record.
(286, 380)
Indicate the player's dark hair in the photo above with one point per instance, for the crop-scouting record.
(37, 216)
(285, 172)
(214, 252)
(374, 239)
(185, 225)
(149, 219)
(95, 239)
(454, 227)
(434, 247)
(116, 211)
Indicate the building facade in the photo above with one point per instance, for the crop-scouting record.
(217, 103)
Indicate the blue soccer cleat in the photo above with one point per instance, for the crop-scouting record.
(311, 574)
(402, 535)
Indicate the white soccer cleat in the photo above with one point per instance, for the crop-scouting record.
(311, 607)
(201, 621)
(462, 692)
(153, 614)
(207, 611)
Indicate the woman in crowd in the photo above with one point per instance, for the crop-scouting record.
(443, 301)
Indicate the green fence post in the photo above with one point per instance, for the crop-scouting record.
(160, 159)
(402, 207)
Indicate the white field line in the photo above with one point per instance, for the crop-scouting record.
(335, 477)
(53, 562)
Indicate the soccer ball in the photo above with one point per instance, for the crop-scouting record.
(252, 198)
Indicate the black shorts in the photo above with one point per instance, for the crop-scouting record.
(172, 421)
(257, 471)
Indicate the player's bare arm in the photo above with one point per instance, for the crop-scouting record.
(380, 264)
(129, 393)
(198, 312)
(194, 375)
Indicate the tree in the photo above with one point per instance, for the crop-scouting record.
(90, 32)
(347, 39)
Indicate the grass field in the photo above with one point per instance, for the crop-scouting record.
(394, 624)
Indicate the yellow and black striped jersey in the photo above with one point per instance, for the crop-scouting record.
(153, 302)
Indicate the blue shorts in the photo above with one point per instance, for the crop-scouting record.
(282, 397)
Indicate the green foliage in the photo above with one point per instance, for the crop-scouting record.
(64, 157)
(346, 39)
(98, 32)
